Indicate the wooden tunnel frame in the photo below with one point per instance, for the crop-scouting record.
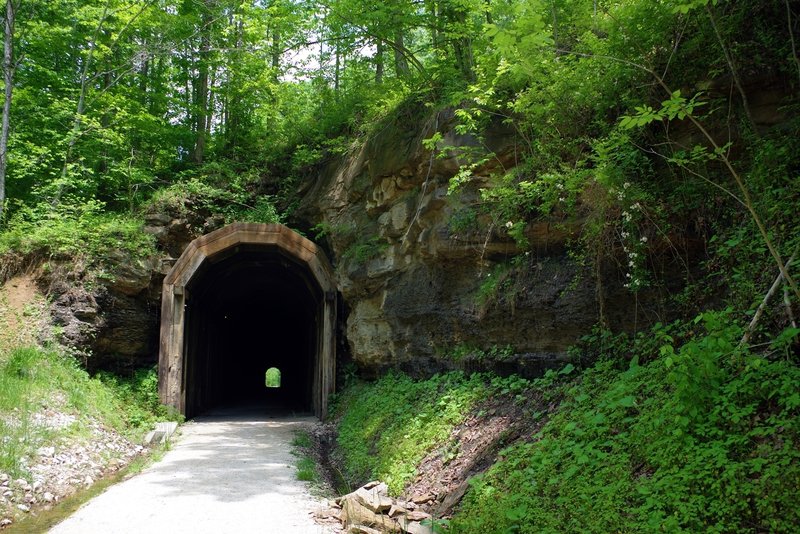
(173, 355)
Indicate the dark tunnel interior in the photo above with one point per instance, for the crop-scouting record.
(246, 312)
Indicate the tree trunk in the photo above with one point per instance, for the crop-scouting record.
(201, 92)
(430, 6)
(77, 124)
(400, 61)
(8, 78)
(379, 62)
(734, 73)
(144, 77)
(276, 53)
(462, 42)
(338, 69)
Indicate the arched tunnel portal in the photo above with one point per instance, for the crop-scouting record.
(242, 300)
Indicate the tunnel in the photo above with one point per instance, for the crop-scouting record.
(241, 301)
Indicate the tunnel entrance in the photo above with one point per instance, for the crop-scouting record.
(241, 301)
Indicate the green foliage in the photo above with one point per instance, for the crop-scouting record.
(463, 221)
(506, 280)
(33, 380)
(302, 440)
(676, 107)
(699, 438)
(79, 229)
(218, 189)
(365, 249)
(139, 394)
(307, 470)
(272, 378)
(387, 427)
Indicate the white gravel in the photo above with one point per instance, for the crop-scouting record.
(224, 473)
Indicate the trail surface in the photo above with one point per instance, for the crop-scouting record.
(226, 473)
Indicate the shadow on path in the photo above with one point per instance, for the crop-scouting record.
(230, 470)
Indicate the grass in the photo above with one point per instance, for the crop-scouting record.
(302, 440)
(307, 469)
(34, 380)
(387, 427)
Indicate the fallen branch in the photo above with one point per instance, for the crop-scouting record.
(760, 311)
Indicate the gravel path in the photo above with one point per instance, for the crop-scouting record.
(225, 473)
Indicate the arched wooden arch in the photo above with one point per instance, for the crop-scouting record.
(224, 242)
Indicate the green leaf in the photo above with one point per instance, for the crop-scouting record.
(567, 369)
(627, 402)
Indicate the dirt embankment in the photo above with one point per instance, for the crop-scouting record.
(443, 476)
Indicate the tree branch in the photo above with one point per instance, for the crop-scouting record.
(760, 311)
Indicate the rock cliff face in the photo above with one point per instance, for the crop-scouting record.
(417, 280)
(110, 321)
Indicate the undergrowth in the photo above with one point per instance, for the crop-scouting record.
(70, 230)
(35, 382)
(387, 427)
(307, 469)
(677, 429)
(698, 437)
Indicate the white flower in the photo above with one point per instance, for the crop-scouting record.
(631, 263)
(561, 199)
(559, 186)
(644, 239)
(626, 185)
(632, 254)
(636, 206)
(628, 275)
(624, 235)
(509, 224)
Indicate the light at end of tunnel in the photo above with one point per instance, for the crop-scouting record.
(272, 378)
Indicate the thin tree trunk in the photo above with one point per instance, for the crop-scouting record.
(760, 311)
(791, 37)
(734, 73)
(211, 101)
(144, 77)
(77, 124)
(787, 303)
(462, 43)
(337, 69)
(379, 65)
(434, 24)
(400, 61)
(8, 79)
(201, 92)
(276, 54)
